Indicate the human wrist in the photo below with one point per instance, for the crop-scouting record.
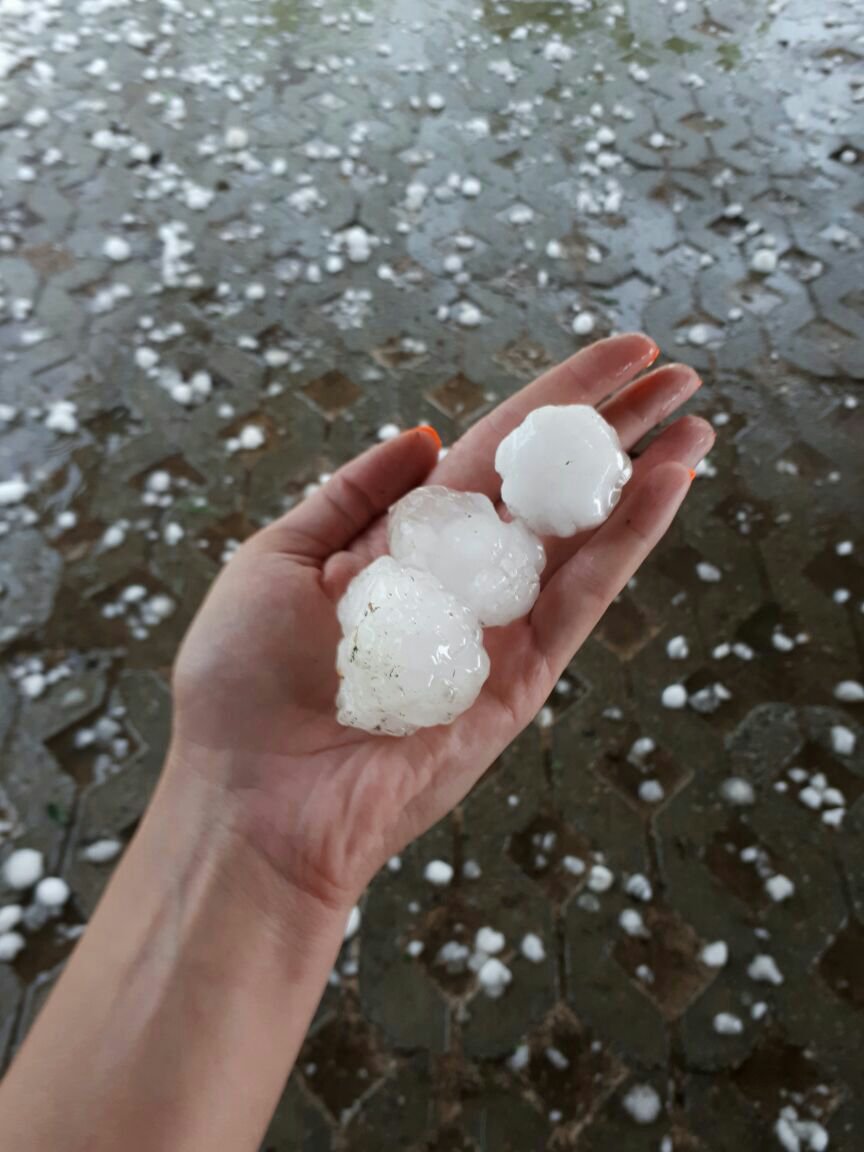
(196, 806)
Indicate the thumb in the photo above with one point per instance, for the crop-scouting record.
(354, 497)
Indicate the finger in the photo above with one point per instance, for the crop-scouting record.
(574, 601)
(354, 497)
(686, 442)
(647, 402)
(586, 378)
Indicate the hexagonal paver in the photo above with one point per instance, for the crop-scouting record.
(332, 393)
(458, 397)
(665, 964)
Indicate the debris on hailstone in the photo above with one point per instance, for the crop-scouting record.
(491, 566)
(562, 470)
(411, 655)
(24, 868)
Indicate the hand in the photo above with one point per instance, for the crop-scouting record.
(255, 683)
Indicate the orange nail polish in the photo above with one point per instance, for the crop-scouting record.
(430, 431)
(692, 473)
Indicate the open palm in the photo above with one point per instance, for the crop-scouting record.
(255, 683)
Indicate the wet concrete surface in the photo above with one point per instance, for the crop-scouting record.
(691, 169)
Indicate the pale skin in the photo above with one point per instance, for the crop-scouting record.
(182, 1010)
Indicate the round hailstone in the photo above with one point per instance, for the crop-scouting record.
(11, 943)
(583, 323)
(491, 566)
(764, 261)
(411, 655)
(24, 868)
(715, 955)
(10, 917)
(117, 249)
(643, 1104)
(438, 872)
(52, 892)
(562, 469)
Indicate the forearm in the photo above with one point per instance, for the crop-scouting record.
(183, 1008)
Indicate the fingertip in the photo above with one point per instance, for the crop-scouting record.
(642, 347)
(430, 432)
(700, 429)
(668, 479)
(681, 372)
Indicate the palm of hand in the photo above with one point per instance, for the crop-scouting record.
(255, 684)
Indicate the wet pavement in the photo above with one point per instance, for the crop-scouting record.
(236, 241)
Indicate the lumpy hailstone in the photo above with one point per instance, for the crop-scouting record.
(491, 566)
(562, 469)
(411, 655)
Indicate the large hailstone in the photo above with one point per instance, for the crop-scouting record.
(411, 655)
(562, 469)
(491, 566)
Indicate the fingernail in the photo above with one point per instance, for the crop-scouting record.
(692, 473)
(428, 430)
(654, 355)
